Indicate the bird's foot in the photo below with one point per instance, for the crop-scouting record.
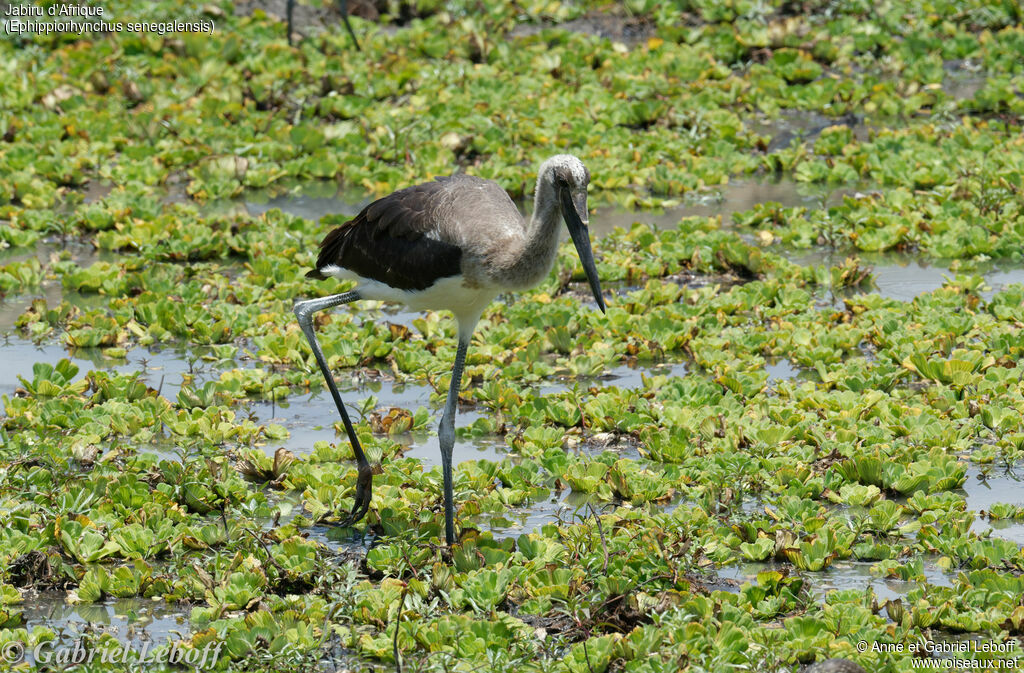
(364, 494)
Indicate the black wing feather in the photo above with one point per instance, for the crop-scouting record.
(388, 242)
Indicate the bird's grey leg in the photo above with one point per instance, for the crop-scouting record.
(446, 435)
(304, 311)
(288, 11)
(343, 6)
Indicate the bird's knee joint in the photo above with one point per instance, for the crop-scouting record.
(446, 435)
(303, 312)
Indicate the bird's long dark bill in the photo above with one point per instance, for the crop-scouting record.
(573, 213)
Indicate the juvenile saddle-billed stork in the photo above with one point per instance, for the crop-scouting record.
(452, 244)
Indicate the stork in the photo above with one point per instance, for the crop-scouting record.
(452, 244)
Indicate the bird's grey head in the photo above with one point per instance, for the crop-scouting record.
(564, 171)
(563, 178)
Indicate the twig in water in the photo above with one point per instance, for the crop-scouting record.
(600, 530)
(586, 655)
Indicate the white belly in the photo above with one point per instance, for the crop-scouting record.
(446, 294)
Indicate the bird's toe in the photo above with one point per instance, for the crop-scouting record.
(363, 496)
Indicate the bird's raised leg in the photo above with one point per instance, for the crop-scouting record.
(446, 435)
(288, 11)
(304, 311)
(343, 7)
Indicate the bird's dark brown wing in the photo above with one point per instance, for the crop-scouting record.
(393, 240)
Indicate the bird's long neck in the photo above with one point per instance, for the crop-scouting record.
(531, 259)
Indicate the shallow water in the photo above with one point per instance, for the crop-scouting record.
(963, 78)
(902, 276)
(12, 306)
(898, 275)
(56, 247)
(136, 622)
(561, 506)
(625, 376)
(164, 368)
(428, 451)
(310, 417)
(782, 369)
(999, 280)
(998, 487)
(841, 575)
(316, 199)
(857, 574)
(738, 195)
(20, 355)
(311, 201)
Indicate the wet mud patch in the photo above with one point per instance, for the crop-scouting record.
(308, 18)
(791, 126)
(629, 30)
